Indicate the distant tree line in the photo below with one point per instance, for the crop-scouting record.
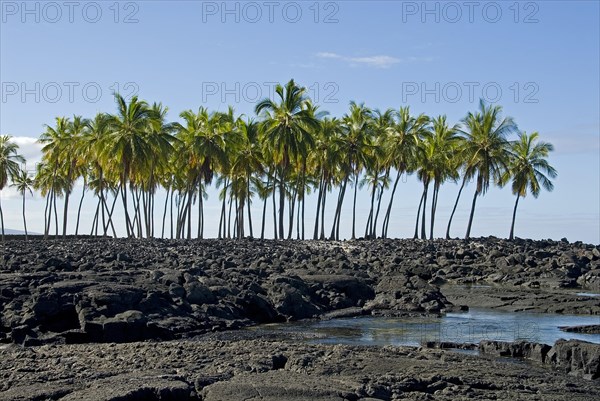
(290, 150)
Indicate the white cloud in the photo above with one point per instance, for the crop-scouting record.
(379, 61)
(29, 149)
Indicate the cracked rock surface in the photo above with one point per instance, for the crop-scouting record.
(238, 366)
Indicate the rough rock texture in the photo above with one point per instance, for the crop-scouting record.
(78, 291)
(231, 366)
(586, 329)
(575, 357)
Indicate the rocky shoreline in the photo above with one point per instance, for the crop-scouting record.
(59, 297)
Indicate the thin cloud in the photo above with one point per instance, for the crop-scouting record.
(30, 149)
(379, 61)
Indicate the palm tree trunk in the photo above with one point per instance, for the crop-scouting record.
(291, 210)
(79, 208)
(55, 218)
(274, 212)
(189, 215)
(46, 215)
(249, 201)
(512, 226)
(386, 219)
(95, 220)
(471, 215)
(319, 198)
(123, 189)
(425, 191)
(162, 232)
(374, 230)
(65, 211)
(25, 219)
(338, 211)
(433, 206)
(281, 202)
(454, 208)
(418, 215)
(222, 216)
(369, 225)
(339, 214)
(322, 236)
(303, 191)
(264, 212)
(110, 214)
(2, 219)
(354, 206)
(66, 205)
(200, 213)
(171, 210)
(229, 218)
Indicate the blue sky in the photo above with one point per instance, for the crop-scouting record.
(539, 60)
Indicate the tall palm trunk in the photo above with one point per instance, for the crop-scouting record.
(264, 212)
(338, 211)
(48, 213)
(55, 218)
(281, 202)
(292, 209)
(303, 192)
(46, 216)
(95, 220)
(274, 212)
(339, 219)
(468, 234)
(201, 214)
(454, 208)
(249, 202)
(2, 219)
(110, 214)
(418, 215)
(434, 200)
(319, 198)
(354, 206)
(386, 219)
(374, 229)
(322, 236)
(229, 218)
(512, 226)
(25, 219)
(162, 232)
(66, 206)
(369, 225)
(123, 189)
(425, 191)
(79, 208)
(171, 210)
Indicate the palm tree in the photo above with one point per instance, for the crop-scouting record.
(9, 166)
(288, 128)
(246, 161)
(401, 151)
(446, 141)
(356, 143)
(23, 183)
(324, 161)
(528, 169)
(127, 144)
(486, 149)
(56, 142)
(92, 142)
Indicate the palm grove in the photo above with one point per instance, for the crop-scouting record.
(291, 150)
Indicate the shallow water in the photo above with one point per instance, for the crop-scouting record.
(588, 294)
(468, 327)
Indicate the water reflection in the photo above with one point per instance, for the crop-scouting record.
(470, 327)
